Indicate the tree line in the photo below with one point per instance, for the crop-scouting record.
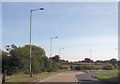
(106, 66)
(112, 61)
(17, 59)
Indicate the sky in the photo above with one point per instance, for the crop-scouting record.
(79, 26)
(60, 0)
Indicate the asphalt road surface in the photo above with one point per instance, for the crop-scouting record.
(73, 77)
(86, 78)
(62, 77)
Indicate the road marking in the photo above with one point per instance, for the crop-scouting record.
(75, 78)
(93, 77)
(49, 78)
(79, 82)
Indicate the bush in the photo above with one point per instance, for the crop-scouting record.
(82, 67)
(54, 66)
(77, 68)
(107, 66)
(72, 67)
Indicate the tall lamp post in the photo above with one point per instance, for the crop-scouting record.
(30, 36)
(59, 52)
(51, 45)
(90, 58)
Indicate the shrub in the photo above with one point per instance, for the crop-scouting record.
(107, 67)
(72, 67)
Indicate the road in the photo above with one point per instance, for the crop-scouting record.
(73, 77)
(62, 77)
(86, 78)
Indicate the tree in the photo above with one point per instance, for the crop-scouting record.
(72, 67)
(99, 61)
(66, 61)
(54, 66)
(5, 60)
(119, 63)
(62, 60)
(114, 62)
(49, 65)
(83, 67)
(88, 60)
(19, 60)
(56, 58)
(10, 47)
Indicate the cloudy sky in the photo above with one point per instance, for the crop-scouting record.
(79, 26)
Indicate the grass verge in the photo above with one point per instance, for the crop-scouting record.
(0, 78)
(109, 77)
(21, 77)
(116, 70)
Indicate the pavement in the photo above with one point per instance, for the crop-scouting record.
(62, 77)
(72, 77)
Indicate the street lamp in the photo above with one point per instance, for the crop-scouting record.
(30, 36)
(59, 52)
(51, 46)
(90, 58)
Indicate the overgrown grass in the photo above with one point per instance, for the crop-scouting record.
(21, 77)
(109, 77)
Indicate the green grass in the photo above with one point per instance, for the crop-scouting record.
(101, 70)
(0, 78)
(110, 77)
(21, 77)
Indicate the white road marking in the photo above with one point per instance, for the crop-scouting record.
(49, 78)
(93, 77)
(76, 78)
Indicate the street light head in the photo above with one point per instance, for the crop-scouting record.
(41, 8)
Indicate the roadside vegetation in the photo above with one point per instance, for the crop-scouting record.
(16, 61)
(109, 77)
(88, 64)
(105, 67)
(21, 77)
